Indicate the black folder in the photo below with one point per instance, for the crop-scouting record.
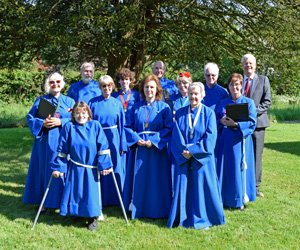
(45, 109)
(238, 111)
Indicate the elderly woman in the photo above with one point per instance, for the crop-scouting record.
(46, 133)
(109, 112)
(126, 95)
(84, 141)
(181, 99)
(197, 200)
(147, 191)
(235, 161)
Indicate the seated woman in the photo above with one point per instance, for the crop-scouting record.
(197, 200)
(181, 99)
(85, 142)
(109, 112)
(235, 156)
(126, 95)
(147, 190)
(46, 133)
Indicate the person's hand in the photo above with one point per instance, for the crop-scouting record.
(107, 171)
(141, 142)
(122, 152)
(186, 154)
(149, 144)
(227, 121)
(51, 122)
(57, 174)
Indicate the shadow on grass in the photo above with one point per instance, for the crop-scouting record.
(285, 147)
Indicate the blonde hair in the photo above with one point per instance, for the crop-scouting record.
(106, 80)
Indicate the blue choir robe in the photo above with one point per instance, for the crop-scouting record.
(179, 101)
(135, 96)
(109, 112)
(44, 150)
(197, 201)
(229, 152)
(86, 145)
(169, 85)
(147, 188)
(80, 91)
(214, 95)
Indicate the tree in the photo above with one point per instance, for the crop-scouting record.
(128, 33)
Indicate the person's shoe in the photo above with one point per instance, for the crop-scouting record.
(259, 194)
(101, 217)
(242, 208)
(43, 210)
(206, 228)
(92, 224)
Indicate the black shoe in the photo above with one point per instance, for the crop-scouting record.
(242, 208)
(92, 224)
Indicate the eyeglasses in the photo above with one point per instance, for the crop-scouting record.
(57, 81)
(208, 75)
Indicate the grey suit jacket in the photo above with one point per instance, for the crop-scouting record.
(260, 93)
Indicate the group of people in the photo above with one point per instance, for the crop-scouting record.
(186, 160)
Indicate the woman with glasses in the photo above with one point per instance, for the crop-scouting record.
(234, 150)
(109, 112)
(46, 132)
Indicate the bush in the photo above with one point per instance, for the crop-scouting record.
(21, 86)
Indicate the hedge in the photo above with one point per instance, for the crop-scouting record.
(25, 86)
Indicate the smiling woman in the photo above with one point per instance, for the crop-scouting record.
(46, 133)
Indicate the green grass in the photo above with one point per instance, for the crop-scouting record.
(13, 115)
(269, 223)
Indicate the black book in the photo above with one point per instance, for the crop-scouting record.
(45, 109)
(238, 111)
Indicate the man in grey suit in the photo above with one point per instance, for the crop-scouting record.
(257, 87)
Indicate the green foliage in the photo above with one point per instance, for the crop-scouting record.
(24, 86)
(271, 222)
(131, 33)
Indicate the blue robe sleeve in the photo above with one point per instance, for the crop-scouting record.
(35, 124)
(178, 145)
(204, 148)
(246, 128)
(160, 139)
(61, 161)
(104, 159)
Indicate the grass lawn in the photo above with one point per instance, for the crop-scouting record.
(272, 222)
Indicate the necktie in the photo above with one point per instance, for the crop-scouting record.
(247, 88)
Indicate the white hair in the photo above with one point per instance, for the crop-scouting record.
(211, 65)
(248, 56)
(106, 80)
(47, 86)
(197, 84)
(86, 63)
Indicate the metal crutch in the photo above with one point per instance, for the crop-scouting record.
(42, 203)
(119, 195)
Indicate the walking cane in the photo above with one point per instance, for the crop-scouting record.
(246, 198)
(42, 203)
(119, 195)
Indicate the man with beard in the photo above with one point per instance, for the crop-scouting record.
(87, 88)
